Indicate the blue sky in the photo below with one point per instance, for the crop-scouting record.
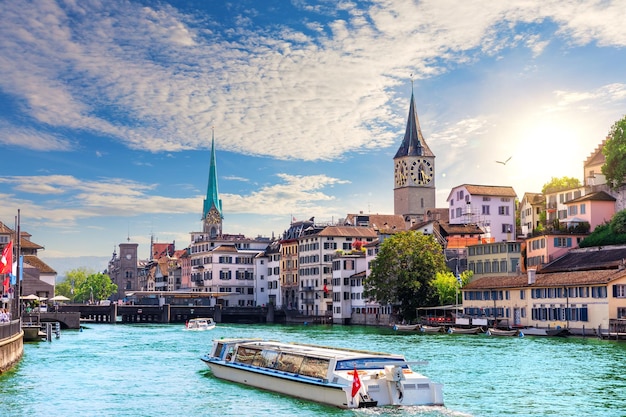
(107, 107)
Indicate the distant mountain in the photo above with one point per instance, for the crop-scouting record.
(64, 264)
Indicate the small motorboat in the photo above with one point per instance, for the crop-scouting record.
(430, 329)
(406, 327)
(200, 324)
(501, 332)
(464, 330)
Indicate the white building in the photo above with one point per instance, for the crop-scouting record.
(492, 208)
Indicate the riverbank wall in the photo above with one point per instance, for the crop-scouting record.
(11, 344)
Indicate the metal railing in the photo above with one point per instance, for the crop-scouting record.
(10, 329)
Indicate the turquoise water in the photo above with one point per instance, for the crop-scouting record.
(154, 370)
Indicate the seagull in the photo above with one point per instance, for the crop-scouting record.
(504, 163)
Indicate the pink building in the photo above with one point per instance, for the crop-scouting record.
(544, 249)
(595, 209)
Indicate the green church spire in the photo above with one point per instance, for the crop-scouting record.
(212, 194)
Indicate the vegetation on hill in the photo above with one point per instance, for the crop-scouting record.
(403, 272)
(614, 150)
(83, 285)
(610, 233)
(560, 184)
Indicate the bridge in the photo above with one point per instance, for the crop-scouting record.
(72, 315)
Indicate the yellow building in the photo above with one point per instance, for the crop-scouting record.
(584, 301)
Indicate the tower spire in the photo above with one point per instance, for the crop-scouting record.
(212, 194)
(413, 143)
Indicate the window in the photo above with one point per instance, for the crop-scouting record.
(485, 210)
(619, 291)
(582, 209)
(503, 210)
(562, 242)
(572, 210)
(507, 228)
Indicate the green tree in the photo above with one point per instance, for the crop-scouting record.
(64, 288)
(447, 286)
(614, 150)
(89, 285)
(404, 270)
(560, 184)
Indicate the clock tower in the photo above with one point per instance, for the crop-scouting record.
(212, 208)
(414, 172)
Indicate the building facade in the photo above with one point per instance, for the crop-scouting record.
(414, 173)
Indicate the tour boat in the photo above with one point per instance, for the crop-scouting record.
(343, 378)
(200, 324)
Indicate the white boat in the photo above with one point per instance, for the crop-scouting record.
(430, 329)
(339, 377)
(541, 331)
(501, 332)
(200, 324)
(406, 327)
(464, 330)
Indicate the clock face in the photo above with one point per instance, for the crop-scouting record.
(422, 171)
(401, 173)
(214, 216)
(129, 256)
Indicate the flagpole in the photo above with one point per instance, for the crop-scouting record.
(18, 270)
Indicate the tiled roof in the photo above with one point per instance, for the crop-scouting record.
(601, 257)
(597, 196)
(382, 222)
(226, 249)
(569, 279)
(534, 198)
(40, 265)
(460, 229)
(486, 190)
(349, 231)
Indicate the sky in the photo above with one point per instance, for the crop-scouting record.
(107, 108)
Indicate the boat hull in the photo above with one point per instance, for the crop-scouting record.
(331, 394)
(322, 374)
(500, 332)
(461, 330)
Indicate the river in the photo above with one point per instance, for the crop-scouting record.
(154, 370)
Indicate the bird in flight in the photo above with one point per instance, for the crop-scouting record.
(504, 163)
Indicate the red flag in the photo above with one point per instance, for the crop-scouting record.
(6, 261)
(325, 289)
(356, 383)
(5, 284)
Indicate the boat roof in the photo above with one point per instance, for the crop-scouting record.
(314, 350)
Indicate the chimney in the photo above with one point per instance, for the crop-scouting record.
(531, 276)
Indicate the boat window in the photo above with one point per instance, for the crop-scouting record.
(289, 362)
(314, 367)
(369, 363)
(246, 354)
(219, 351)
(267, 359)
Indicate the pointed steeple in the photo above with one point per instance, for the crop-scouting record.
(413, 143)
(212, 195)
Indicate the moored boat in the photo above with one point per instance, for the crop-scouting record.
(430, 329)
(501, 332)
(343, 378)
(406, 327)
(541, 331)
(200, 324)
(464, 330)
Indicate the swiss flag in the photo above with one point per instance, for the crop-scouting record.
(356, 383)
(6, 261)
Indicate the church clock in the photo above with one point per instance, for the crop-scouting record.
(421, 171)
(401, 173)
(213, 217)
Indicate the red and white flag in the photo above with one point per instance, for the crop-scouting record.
(356, 383)
(6, 261)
